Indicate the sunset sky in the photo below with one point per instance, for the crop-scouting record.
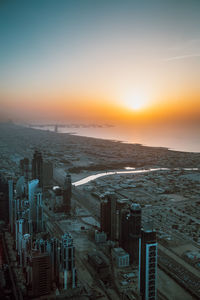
(105, 61)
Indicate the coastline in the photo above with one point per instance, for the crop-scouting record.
(113, 139)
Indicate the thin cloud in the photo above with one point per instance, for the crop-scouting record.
(182, 57)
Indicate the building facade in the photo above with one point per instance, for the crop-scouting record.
(148, 265)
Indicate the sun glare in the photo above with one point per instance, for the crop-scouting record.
(136, 101)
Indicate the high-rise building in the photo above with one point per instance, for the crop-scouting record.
(67, 276)
(35, 207)
(113, 217)
(37, 167)
(26, 249)
(124, 228)
(19, 232)
(47, 174)
(53, 248)
(4, 200)
(105, 216)
(25, 169)
(67, 194)
(21, 188)
(108, 216)
(62, 259)
(120, 205)
(10, 196)
(134, 232)
(39, 274)
(130, 231)
(148, 265)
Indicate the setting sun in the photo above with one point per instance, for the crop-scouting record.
(136, 101)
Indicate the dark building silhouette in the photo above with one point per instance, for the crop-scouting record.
(120, 205)
(37, 167)
(4, 201)
(11, 202)
(134, 232)
(68, 277)
(105, 216)
(47, 174)
(148, 265)
(67, 194)
(62, 258)
(108, 216)
(130, 231)
(100, 265)
(39, 275)
(24, 169)
(123, 229)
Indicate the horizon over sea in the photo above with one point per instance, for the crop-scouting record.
(181, 140)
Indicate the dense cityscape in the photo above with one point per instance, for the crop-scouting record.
(85, 218)
(100, 150)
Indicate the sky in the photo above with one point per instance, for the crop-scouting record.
(123, 62)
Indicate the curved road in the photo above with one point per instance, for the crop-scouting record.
(141, 171)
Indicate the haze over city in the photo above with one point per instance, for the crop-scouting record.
(100, 149)
(134, 64)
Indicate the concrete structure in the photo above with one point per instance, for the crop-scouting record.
(99, 264)
(148, 265)
(130, 231)
(53, 248)
(26, 249)
(25, 169)
(47, 173)
(35, 207)
(39, 274)
(100, 236)
(4, 200)
(67, 193)
(121, 257)
(19, 231)
(108, 216)
(10, 195)
(37, 167)
(21, 187)
(67, 276)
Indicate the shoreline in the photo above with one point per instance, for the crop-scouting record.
(114, 140)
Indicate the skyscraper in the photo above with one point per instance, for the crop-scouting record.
(67, 194)
(4, 200)
(39, 274)
(124, 228)
(37, 167)
(108, 216)
(67, 276)
(35, 207)
(10, 195)
(130, 231)
(134, 232)
(24, 168)
(148, 265)
(53, 248)
(26, 249)
(113, 217)
(105, 216)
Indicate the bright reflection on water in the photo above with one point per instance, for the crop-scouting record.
(93, 177)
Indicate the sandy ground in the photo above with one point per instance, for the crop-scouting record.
(180, 261)
(170, 288)
(186, 247)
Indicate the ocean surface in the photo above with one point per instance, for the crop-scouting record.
(176, 139)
